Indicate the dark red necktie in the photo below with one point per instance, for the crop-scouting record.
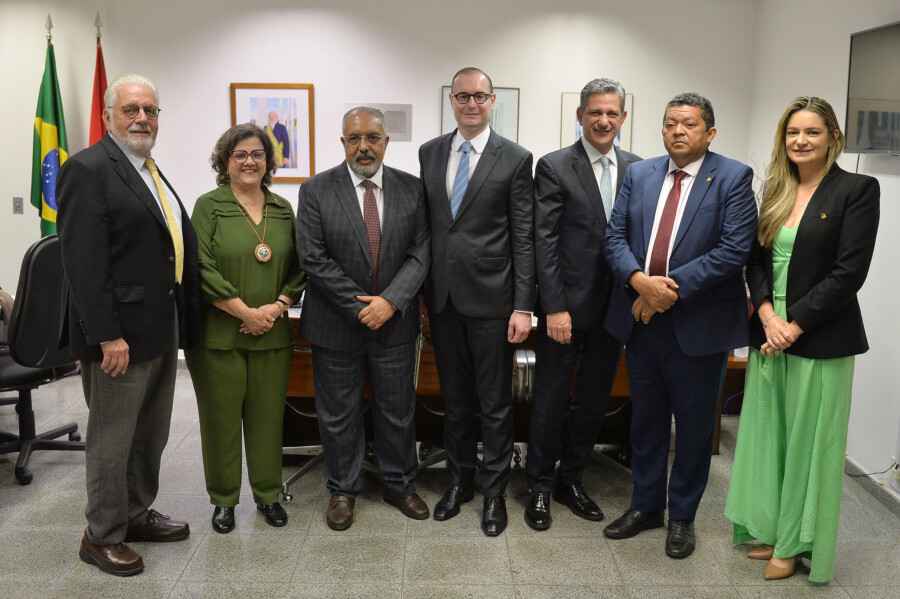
(659, 254)
(373, 229)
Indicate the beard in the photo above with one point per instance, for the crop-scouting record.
(136, 145)
(365, 171)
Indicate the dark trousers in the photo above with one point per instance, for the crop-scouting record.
(597, 353)
(473, 353)
(127, 431)
(665, 382)
(338, 380)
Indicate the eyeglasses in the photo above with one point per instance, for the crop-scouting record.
(241, 155)
(480, 97)
(132, 110)
(372, 139)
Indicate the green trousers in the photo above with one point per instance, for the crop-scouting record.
(240, 387)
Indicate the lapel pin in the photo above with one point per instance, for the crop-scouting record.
(823, 216)
(708, 179)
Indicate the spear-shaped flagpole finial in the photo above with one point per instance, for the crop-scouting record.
(49, 25)
(98, 24)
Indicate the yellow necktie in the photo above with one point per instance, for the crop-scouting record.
(170, 219)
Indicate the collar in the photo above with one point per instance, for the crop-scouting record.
(692, 169)
(594, 154)
(478, 142)
(376, 178)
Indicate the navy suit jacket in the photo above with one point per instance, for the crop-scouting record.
(710, 250)
(569, 224)
(334, 253)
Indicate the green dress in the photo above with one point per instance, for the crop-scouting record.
(240, 380)
(789, 462)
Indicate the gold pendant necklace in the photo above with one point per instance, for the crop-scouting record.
(262, 251)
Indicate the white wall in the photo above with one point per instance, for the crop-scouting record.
(750, 57)
(803, 48)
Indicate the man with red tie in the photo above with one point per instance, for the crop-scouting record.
(679, 237)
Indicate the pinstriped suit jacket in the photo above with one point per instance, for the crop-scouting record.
(334, 253)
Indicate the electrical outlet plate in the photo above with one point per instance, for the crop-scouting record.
(18, 206)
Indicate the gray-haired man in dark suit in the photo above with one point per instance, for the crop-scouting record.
(364, 243)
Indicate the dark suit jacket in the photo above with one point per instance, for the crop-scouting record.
(334, 252)
(711, 247)
(118, 256)
(829, 263)
(569, 223)
(484, 258)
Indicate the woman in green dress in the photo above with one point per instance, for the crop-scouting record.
(249, 275)
(817, 229)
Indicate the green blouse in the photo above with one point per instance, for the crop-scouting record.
(229, 268)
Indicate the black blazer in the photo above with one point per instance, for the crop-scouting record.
(829, 263)
(334, 253)
(569, 223)
(118, 256)
(484, 258)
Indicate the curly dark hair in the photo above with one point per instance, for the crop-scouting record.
(222, 152)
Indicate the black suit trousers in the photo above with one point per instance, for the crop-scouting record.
(473, 353)
(552, 410)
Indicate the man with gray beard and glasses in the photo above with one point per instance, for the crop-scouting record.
(364, 242)
(130, 256)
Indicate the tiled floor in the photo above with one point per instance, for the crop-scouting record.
(385, 555)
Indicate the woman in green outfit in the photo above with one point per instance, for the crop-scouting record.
(249, 275)
(817, 229)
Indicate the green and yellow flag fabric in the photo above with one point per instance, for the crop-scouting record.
(51, 148)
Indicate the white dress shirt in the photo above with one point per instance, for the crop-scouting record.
(376, 189)
(137, 161)
(686, 184)
(594, 156)
(478, 143)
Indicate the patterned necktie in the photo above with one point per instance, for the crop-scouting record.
(461, 182)
(606, 187)
(659, 255)
(170, 219)
(373, 229)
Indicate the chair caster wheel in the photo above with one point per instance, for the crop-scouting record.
(23, 476)
(75, 436)
(288, 498)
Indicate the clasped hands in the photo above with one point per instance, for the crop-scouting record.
(257, 321)
(780, 335)
(656, 294)
(376, 313)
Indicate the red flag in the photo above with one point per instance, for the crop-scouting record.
(98, 129)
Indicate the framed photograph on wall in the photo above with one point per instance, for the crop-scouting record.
(570, 129)
(285, 112)
(504, 116)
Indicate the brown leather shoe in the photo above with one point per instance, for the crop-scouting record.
(774, 572)
(117, 559)
(762, 551)
(157, 528)
(412, 506)
(339, 514)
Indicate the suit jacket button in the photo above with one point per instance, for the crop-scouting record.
(371, 273)
(452, 231)
(171, 292)
(171, 258)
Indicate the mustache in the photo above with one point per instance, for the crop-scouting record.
(363, 155)
(139, 128)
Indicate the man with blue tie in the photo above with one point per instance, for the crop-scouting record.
(574, 191)
(480, 289)
(680, 234)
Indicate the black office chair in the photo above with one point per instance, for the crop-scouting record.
(36, 352)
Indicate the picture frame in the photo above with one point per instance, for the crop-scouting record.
(293, 106)
(504, 116)
(570, 130)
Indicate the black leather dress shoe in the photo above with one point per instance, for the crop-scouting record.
(223, 519)
(494, 518)
(449, 504)
(680, 541)
(574, 496)
(632, 522)
(274, 513)
(537, 513)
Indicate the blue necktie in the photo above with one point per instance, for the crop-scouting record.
(606, 187)
(461, 182)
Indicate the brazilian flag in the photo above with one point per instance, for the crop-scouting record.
(50, 146)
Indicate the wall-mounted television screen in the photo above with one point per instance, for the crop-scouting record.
(873, 92)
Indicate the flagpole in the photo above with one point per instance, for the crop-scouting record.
(98, 24)
(49, 25)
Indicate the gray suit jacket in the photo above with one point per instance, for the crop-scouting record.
(334, 253)
(484, 258)
(569, 223)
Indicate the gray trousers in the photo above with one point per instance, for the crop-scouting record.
(128, 427)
